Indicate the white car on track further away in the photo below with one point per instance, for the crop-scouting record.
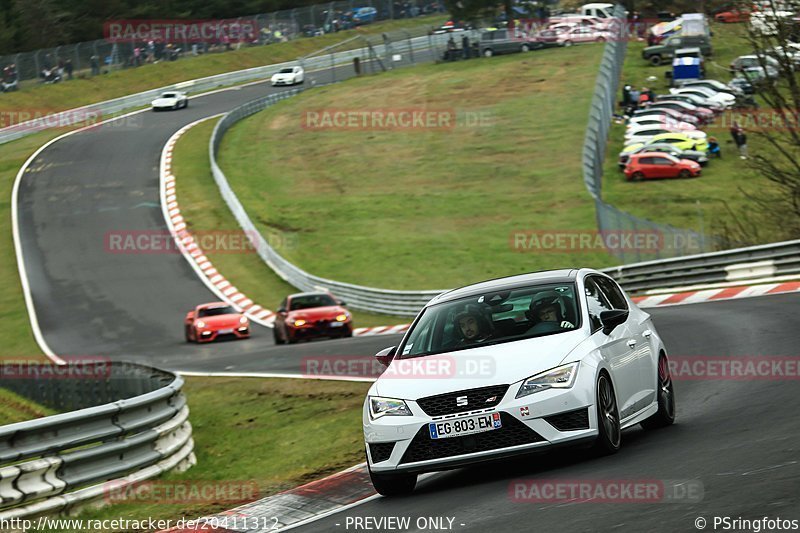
(288, 76)
(512, 366)
(170, 100)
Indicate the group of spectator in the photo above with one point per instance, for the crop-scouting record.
(633, 99)
(453, 52)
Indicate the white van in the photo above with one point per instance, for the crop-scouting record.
(603, 11)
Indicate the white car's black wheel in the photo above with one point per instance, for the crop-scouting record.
(567, 43)
(393, 484)
(608, 424)
(488, 53)
(665, 415)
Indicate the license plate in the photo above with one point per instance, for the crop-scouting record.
(464, 426)
(225, 331)
(337, 324)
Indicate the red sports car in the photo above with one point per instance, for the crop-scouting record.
(649, 165)
(216, 320)
(311, 315)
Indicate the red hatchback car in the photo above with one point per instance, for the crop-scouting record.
(212, 321)
(650, 165)
(734, 15)
(311, 315)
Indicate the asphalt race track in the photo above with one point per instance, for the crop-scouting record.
(90, 301)
(737, 438)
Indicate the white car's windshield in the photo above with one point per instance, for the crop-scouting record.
(285, 71)
(494, 318)
(169, 95)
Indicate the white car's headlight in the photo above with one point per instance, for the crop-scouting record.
(562, 377)
(379, 407)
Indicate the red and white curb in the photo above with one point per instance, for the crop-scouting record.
(294, 507)
(732, 292)
(202, 265)
(186, 243)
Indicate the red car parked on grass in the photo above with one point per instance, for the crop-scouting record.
(212, 321)
(311, 315)
(651, 165)
(734, 15)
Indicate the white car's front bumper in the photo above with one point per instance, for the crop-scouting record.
(528, 424)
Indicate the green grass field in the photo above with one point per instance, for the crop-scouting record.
(257, 433)
(204, 209)
(15, 329)
(425, 208)
(69, 94)
(15, 408)
(697, 203)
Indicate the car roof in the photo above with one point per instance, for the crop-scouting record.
(214, 304)
(651, 154)
(566, 275)
(317, 293)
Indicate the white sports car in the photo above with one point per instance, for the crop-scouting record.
(288, 76)
(724, 99)
(171, 100)
(511, 366)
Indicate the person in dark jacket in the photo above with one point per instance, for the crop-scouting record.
(465, 46)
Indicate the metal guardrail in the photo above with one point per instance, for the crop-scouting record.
(742, 264)
(56, 462)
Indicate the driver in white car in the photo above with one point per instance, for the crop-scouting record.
(545, 312)
(473, 326)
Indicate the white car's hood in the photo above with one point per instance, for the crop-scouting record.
(165, 101)
(501, 364)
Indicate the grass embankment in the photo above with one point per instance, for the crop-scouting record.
(14, 408)
(263, 433)
(78, 92)
(426, 208)
(204, 209)
(15, 329)
(697, 203)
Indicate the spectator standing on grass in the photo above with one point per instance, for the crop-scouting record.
(94, 63)
(626, 96)
(644, 97)
(68, 68)
(451, 49)
(635, 94)
(740, 138)
(465, 46)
